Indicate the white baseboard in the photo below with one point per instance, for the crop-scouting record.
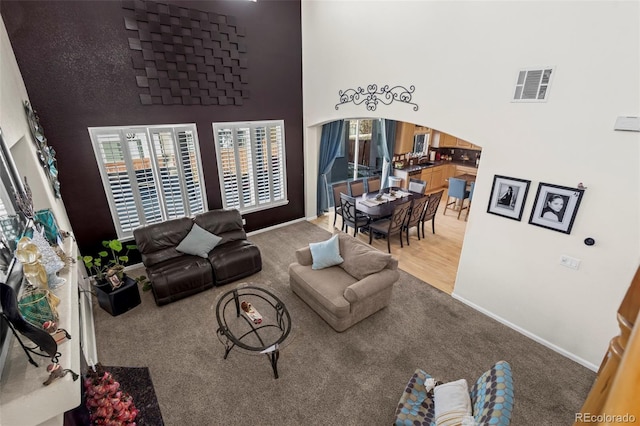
(134, 266)
(530, 335)
(280, 225)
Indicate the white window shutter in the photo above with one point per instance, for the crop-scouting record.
(150, 174)
(251, 164)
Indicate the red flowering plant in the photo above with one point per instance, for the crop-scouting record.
(108, 405)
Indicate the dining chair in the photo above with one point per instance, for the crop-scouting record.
(413, 218)
(458, 191)
(473, 185)
(356, 188)
(429, 213)
(351, 216)
(373, 184)
(395, 224)
(337, 188)
(417, 185)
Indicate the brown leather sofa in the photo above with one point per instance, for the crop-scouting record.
(175, 275)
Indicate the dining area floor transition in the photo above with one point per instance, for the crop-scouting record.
(434, 258)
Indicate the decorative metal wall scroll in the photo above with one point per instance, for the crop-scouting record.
(373, 95)
(186, 56)
(46, 153)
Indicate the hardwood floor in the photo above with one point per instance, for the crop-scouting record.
(434, 259)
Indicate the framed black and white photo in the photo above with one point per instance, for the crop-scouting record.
(556, 207)
(508, 196)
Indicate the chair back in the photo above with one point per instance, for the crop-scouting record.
(432, 206)
(356, 188)
(373, 184)
(494, 388)
(417, 210)
(348, 209)
(338, 188)
(417, 185)
(457, 188)
(399, 217)
(473, 185)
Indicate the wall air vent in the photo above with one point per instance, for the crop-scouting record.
(533, 85)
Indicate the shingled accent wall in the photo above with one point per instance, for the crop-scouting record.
(76, 62)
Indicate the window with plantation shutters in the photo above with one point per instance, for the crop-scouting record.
(251, 164)
(150, 173)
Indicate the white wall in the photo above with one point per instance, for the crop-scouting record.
(463, 58)
(16, 133)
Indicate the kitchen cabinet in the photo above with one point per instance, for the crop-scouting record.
(467, 145)
(434, 176)
(437, 178)
(404, 138)
(461, 170)
(449, 141)
(426, 176)
(462, 143)
(449, 171)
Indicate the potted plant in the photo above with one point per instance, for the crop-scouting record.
(116, 292)
(109, 261)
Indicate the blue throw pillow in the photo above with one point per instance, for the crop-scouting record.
(325, 253)
(198, 242)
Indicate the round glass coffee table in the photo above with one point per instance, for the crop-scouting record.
(253, 319)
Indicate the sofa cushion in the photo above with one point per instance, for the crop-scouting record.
(234, 260)
(179, 277)
(326, 286)
(224, 223)
(325, 253)
(157, 242)
(198, 242)
(361, 260)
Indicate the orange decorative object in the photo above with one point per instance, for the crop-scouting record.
(251, 312)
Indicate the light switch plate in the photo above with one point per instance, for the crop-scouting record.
(570, 262)
(630, 124)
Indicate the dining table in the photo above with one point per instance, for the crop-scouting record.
(389, 199)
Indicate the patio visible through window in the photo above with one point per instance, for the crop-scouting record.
(150, 173)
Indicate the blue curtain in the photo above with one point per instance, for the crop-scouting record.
(330, 140)
(390, 129)
(385, 131)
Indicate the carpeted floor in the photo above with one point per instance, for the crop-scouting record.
(327, 378)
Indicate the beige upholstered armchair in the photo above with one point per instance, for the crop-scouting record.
(350, 291)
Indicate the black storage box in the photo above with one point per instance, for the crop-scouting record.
(121, 299)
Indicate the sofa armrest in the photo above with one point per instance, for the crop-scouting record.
(370, 285)
(303, 256)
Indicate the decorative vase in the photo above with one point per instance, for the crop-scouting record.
(50, 260)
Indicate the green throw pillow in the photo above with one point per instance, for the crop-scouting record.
(325, 253)
(198, 242)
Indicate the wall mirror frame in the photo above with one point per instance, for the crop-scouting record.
(12, 221)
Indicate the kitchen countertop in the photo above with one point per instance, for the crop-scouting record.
(419, 167)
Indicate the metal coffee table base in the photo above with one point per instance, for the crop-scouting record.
(273, 352)
(282, 323)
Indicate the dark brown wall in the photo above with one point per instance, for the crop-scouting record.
(76, 64)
